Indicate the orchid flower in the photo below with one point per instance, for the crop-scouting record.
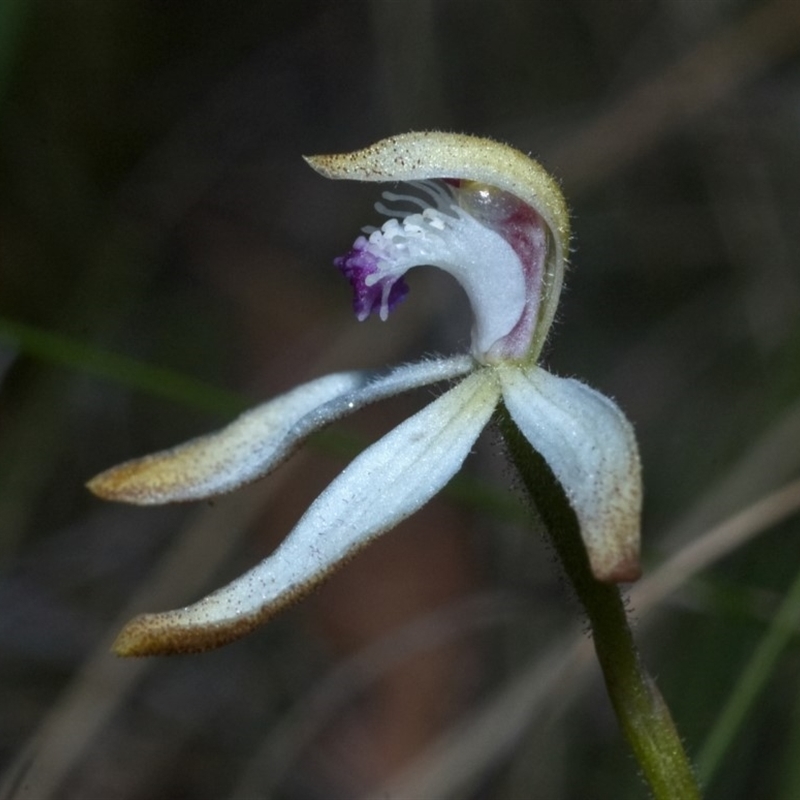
(497, 222)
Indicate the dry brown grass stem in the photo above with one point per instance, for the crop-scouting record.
(691, 87)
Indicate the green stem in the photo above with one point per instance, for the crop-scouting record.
(642, 713)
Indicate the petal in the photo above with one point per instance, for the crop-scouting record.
(386, 483)
(433, 154)
(258, 440)
(591, 448)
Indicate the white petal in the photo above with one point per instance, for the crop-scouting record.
(258, 440)
(591, 448)
(386, 483)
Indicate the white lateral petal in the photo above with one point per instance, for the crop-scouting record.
(386, 483)
(260, 439)
(591, 448)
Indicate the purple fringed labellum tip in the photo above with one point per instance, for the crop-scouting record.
(382, 294)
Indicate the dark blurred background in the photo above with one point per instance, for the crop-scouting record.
(165, 258)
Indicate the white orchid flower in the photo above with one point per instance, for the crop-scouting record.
(497, 222)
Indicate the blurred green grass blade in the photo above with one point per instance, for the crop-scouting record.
(65, 351)
(12, 23)
(751, 682)
(789, 783)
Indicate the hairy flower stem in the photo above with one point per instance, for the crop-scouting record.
(639, 706)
